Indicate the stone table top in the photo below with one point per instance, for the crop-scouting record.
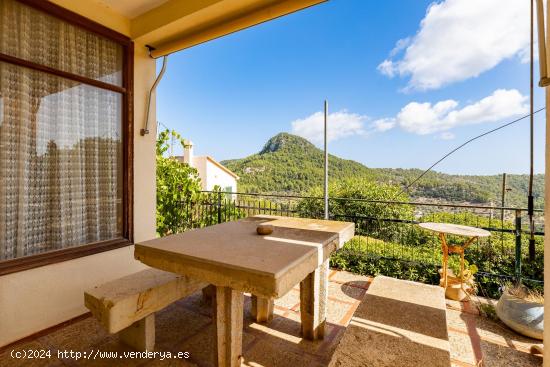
(232, 254)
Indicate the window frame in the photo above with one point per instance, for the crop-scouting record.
(127, 92)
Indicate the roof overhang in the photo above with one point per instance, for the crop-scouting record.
(173, 25)
(176, 25)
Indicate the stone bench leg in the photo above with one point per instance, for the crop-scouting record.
(228, 327)
(140, 335)
(313, 302)
(262, 308)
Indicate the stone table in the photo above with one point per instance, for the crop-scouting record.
(235, 259)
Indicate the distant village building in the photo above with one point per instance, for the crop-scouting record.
(211, 172)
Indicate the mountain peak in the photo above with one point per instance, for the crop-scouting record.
(284, 141)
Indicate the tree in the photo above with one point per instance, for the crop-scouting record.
(366, 203)
(177, 183)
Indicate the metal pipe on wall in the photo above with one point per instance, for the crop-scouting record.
(145, 129)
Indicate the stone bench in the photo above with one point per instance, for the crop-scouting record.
(398, 323)
(127, 305)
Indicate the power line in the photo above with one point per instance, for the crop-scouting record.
(468, 142)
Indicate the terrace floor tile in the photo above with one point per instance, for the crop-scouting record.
(186, 326)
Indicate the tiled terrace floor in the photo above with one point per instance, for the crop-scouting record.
(186, 326)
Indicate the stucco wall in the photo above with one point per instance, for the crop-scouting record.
(39, 298)
(216, 176)
(199, 163)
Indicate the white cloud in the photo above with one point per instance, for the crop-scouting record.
(427, 118)
(400, 45)
(387, 67)
(382, 125)
(460, 39)
(340, 125)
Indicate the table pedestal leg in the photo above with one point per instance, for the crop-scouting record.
(462, 274)
(262, 308)
(228, 327)
(313, 302)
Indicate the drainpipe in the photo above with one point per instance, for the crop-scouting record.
(145, 129)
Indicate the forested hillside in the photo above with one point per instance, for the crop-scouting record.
(288, 163)
(291, 164)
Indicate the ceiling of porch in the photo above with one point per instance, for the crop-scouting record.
(132, 8)
(172, 25)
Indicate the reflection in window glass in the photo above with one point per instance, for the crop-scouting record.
(60, 163)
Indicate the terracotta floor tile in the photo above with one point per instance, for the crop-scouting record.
(462, 348)
(289, 300)
(80, 336)
(170, 363)
(497, 332)
(187, 327)
(457, 320)
(107, 349)
(268, 354)
(495, 355)
(176, 323)
(338, 312)
(285, 332)
(200, 346)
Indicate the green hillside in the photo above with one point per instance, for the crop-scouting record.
(291, 164)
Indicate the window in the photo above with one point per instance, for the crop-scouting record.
(64, 128)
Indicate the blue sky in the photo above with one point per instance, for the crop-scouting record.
(457, 73)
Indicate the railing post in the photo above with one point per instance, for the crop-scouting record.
(219, 207)
(518, 246)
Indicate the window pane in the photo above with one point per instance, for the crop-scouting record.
(32, 35)
(60, 163)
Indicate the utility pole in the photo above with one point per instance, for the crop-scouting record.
(503, 198)
(172, 145)
(326, 161)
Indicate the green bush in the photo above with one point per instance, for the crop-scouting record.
(420, 261)
(370, 217)
(358, 257)
(176, 183)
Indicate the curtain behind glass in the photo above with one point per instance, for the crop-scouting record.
(35, 36)
(60, 142)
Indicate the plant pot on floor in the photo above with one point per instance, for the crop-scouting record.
(523, 316)
(455, 290)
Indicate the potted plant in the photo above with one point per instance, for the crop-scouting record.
(459, 288)
(522, 310)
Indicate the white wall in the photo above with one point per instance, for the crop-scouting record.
(217, 176)
(200, 164)
(39, 298)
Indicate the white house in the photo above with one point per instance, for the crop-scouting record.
(211, 172)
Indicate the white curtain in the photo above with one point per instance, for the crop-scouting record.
(60, 141)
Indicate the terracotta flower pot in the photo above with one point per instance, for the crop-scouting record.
(524, 317)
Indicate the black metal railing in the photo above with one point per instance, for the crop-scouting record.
(387, 230)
